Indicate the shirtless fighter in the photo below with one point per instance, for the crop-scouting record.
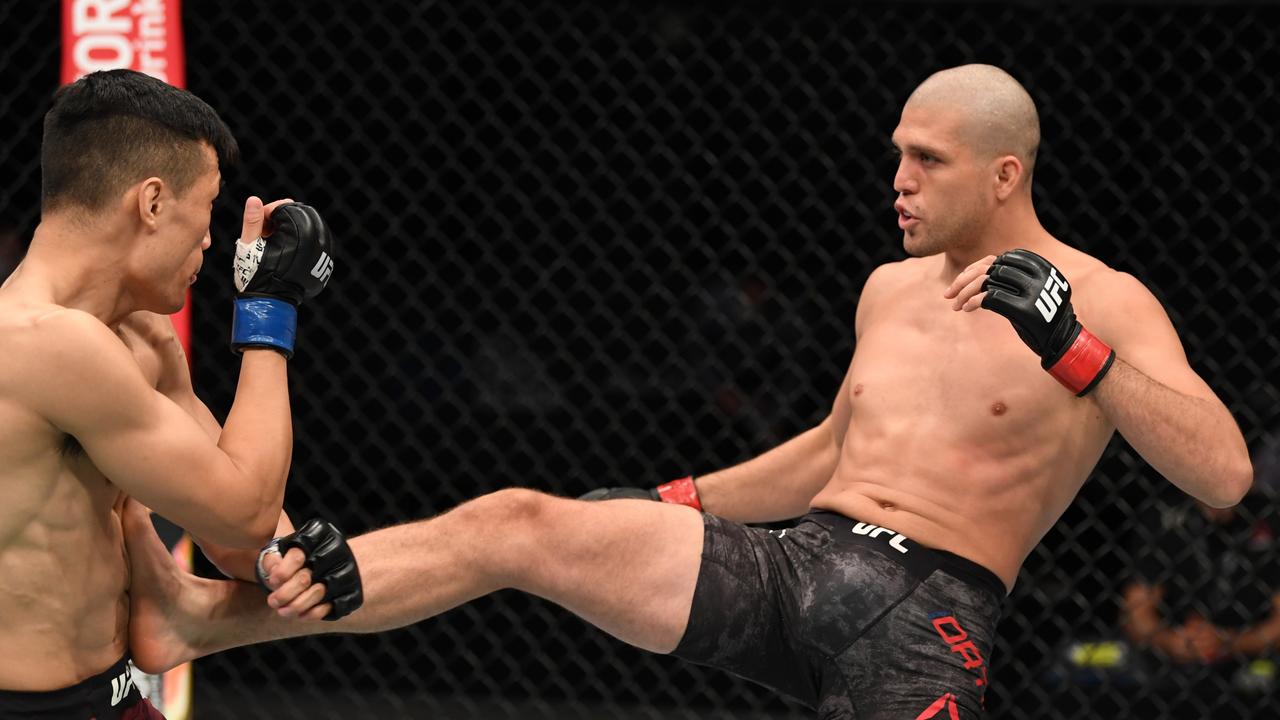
(948, 453)
(95, 395)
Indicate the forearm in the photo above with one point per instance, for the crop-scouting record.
(776, 485)
(258, 433)
(1192, 441)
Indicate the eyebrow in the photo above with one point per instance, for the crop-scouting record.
(917, 148)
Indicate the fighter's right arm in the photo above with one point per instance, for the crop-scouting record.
(777, 485)
(229, 491)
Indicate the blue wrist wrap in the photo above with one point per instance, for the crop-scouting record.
(264, 322)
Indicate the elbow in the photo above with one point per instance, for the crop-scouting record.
(246, 531)
(1243, 481)
(1234, 484)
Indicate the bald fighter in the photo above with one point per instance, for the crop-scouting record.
(991, 369)
(95, 395)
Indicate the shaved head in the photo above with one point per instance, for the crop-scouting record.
(1001, 117)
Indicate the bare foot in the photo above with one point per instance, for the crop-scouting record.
(164, 599)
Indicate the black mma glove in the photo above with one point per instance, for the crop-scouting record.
(330, 560)
(680, 492)
(1032, 294)
(273, 276)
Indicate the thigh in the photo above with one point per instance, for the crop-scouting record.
(628, 567)
(744, 611)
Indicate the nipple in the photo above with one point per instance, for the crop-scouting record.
(857, 389)
(998, 408)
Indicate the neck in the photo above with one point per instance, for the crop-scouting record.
(77, 265)
(1012, 226)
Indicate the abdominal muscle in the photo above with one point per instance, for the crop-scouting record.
(64, 608)
(978, 457)
(989, 506)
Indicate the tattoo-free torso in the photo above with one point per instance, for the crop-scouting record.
(956, 437)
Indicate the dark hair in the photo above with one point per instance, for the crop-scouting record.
(113, 128)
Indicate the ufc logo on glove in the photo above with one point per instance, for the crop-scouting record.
(1050, 299)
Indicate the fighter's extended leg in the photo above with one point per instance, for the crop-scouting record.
(628, 567)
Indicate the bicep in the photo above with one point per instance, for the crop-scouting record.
(156, 452)
(186, 400)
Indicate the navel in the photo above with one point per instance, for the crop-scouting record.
(999, 408)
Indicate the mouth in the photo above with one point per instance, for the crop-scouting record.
(905, 218)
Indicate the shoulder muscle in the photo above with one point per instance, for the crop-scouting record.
(880, 283)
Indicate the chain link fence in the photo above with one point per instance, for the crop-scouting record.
(591, 245)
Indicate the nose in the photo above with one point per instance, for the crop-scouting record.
(207, 241)
(904, 181)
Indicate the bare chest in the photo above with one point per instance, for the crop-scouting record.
(919, 361)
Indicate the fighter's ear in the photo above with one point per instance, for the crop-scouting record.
(149, 203)
(1007, 176)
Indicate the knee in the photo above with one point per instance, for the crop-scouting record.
(514, 522)
(514, 508)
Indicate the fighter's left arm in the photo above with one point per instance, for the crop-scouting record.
(1157, 401)
(1128, 360)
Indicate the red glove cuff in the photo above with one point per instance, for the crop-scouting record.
(1083, 364)
(680, 492)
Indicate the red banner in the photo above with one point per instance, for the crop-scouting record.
(143, 35)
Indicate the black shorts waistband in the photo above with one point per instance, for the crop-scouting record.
(103, 695)
(918, 559)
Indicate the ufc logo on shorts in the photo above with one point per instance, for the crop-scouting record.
(120, 686)
(1050, 300)
(875, 531)
(323, 268)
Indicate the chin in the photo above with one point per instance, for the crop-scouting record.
(172, 305)
(917, 246)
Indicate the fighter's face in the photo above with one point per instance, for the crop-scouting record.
(942, 203)
(177, 250)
